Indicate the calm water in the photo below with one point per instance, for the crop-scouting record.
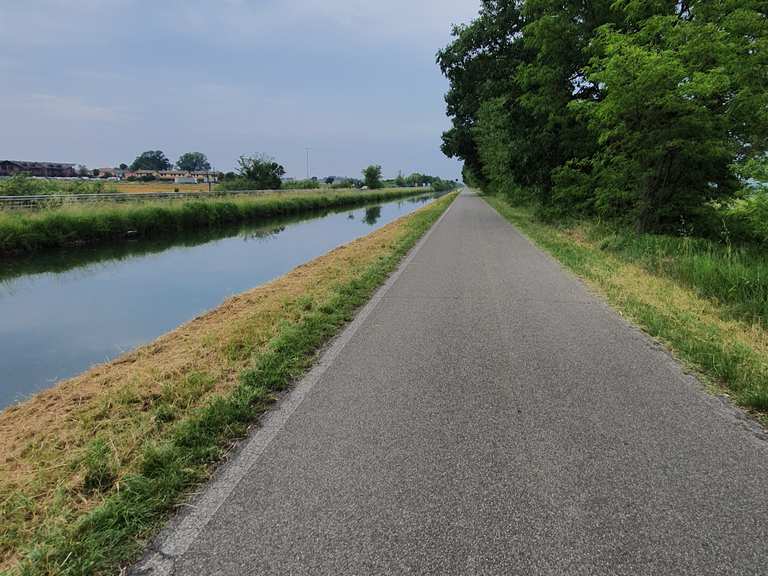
(62, 313)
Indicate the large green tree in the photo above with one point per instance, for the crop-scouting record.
(261, 172)
(151, 160)
(641, 109)
(480, 64)
(193, 162)
(684, 97)
(372, 176)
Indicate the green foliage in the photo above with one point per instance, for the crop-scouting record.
(440, 185)
(480, 64)
(495, 143)
(636, 110)
(21, 185)
(260, 172)
(193, 162)
(372, 176)
(665, 122)
(754, 170)
(311, 184)
(347, 183)
(745, 218)
(151, 160)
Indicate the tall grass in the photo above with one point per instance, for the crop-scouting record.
(27, 232)
(736, 276)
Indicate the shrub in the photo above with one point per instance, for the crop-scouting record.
(261, 171)
(746, 218)
(23, 185)
(311, 184)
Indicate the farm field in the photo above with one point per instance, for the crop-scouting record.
(150, 187)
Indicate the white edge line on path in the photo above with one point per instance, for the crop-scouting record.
(177, 539)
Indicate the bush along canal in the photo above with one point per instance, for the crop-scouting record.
(65, 311)
(92, 467)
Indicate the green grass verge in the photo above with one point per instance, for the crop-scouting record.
(709, 308)
(26, 232)
(115, 532)
(735, 275)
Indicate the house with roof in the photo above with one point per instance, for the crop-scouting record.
(38, 169)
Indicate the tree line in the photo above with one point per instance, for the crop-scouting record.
(262, 172)
(156, 160)
(645, 111)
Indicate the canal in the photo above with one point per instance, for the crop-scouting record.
(61, 313)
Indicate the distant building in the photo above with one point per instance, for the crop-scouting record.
(39, 169)
(178, 176)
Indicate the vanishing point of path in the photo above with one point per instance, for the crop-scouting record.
(486, 415)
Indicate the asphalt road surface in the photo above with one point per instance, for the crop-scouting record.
(486, 415)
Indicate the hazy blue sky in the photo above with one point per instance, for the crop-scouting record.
(97, 81)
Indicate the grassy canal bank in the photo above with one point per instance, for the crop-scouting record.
(26, 232)
(707, 302)
(92, 467)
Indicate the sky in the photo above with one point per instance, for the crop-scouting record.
(96, 82)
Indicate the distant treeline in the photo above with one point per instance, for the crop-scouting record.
(652, 113)
(253, 172)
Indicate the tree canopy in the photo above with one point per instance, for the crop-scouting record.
(372, 176)
(151, 160)
(261, 172)
(193, 162)
(644, 110)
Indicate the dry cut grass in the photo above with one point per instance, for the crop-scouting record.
(147, 187)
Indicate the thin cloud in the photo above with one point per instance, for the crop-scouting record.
(244, 21)
(61, 108)
(101, 80)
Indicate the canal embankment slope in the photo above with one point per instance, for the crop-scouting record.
(490, 415)
(90, 468)
(25, 232)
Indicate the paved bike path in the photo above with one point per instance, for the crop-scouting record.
(487, 415)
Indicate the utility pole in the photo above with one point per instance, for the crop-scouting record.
(308, 150)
